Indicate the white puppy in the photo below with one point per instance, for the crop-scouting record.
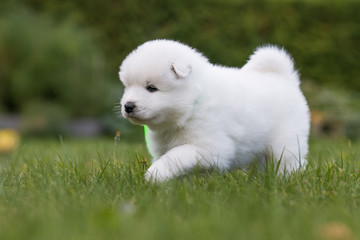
(204, 115)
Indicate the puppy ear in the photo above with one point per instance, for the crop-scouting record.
(181, 70)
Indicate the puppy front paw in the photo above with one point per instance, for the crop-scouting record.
(158, 172)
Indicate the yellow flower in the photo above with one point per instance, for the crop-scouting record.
(9, 140)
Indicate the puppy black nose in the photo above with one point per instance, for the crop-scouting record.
(129, 107)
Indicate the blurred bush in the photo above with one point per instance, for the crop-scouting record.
(334, 112)
(43, 119)
(46, 61)
(322, 36)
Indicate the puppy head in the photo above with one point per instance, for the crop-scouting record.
(160, 83)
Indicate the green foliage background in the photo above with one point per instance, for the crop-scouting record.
(323, 36)
(68, 52)
(44, 60)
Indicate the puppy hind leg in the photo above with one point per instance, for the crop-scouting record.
(287, 158)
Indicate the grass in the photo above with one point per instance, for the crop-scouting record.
(78, 190)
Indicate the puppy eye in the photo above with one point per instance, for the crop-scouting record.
(151, 88)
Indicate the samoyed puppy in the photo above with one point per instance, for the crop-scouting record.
(210, 116)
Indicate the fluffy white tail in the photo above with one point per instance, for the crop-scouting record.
(271, 59)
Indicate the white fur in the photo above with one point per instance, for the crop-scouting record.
(204, 115)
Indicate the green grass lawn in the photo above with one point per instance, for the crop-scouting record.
(85, 190)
